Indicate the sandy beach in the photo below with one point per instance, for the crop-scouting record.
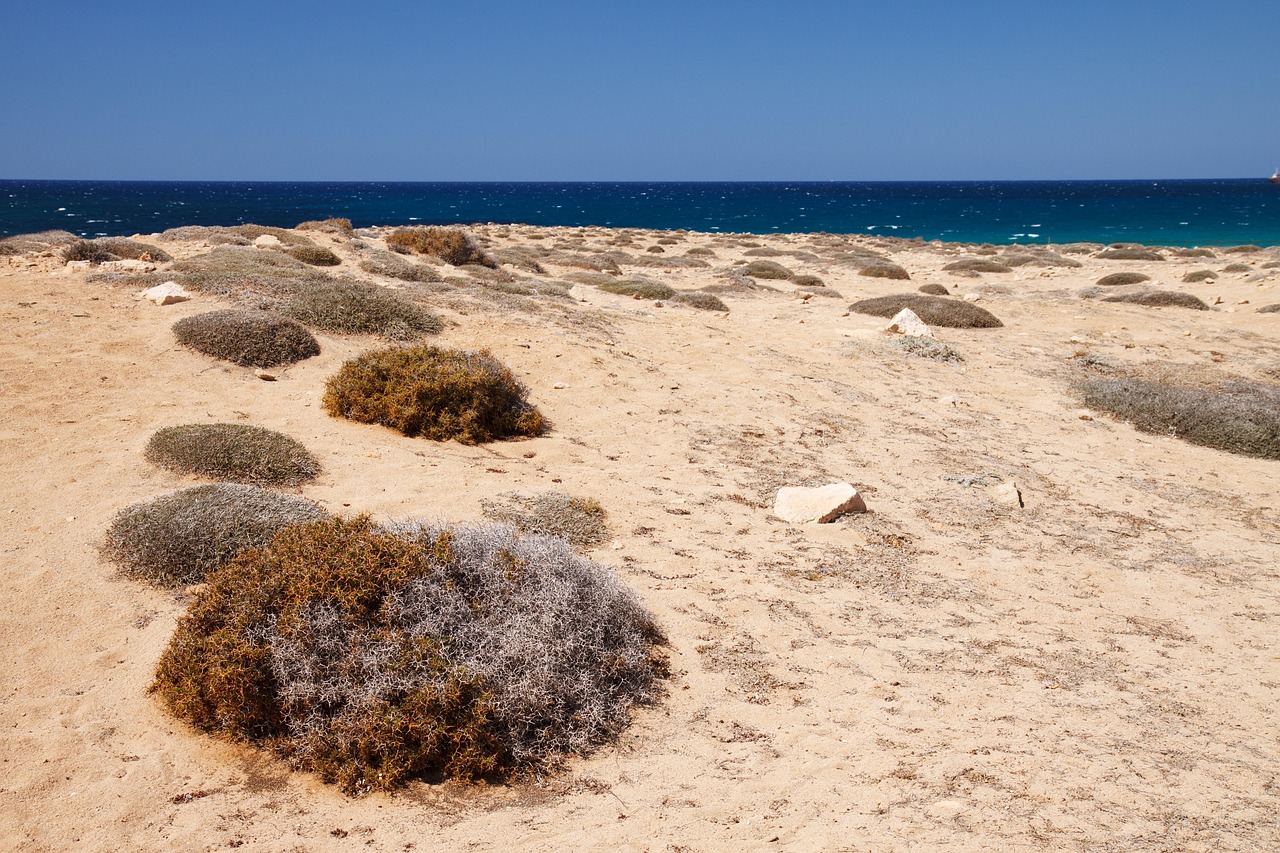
(1096, 669)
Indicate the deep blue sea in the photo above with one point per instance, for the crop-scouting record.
(1183, 213)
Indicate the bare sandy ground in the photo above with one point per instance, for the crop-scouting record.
(1097, 670)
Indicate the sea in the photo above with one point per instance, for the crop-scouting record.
(1165, 212)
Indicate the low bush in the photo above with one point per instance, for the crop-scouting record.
(237, 453)
(436, 393)
(933, 289)
(578, 521)
(656, 250)
(40, 241)
(243, 271)
(1237, 268)
(390, 265)
(594, 263)
(1270, 309)
(1200, 275)
(374, 656)
(767, 270)
(362, 309)
(804, 280)
(135, 250)
(451, 245)
(638, 289)
(927, 348)
(316, 256)
(1237, 417)
(1117, 279)
(286, 236)
(820, 290)
(884, 269)
(699, 299)
(211, 235)
(1239, 250)
(701, 252)
(332, 225)
(978, 265)
(178, 538)
(1194, 253)
(1160, 299)
(86, 250)
(933, 310)
(1129, 255)
(518, 258)
(1037, 257)
(247, 338)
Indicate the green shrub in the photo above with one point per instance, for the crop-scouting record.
(1129, 254)
(638, 289)
(237, 453)
(933, 289)
(1236, 268)
(247, 338)
(451, 245)
(767, 270)
(178, 538)
(933, 310)
(362, 309)
(1194, 253)
(1200, 275)
(978, 265)
(927, 348)
(332, 225)
(436, 393)
(374, 656)
(700, 299)
(578, 521)
(1237, 417)
(316, 256)
(1117, 279)
(1160, 299)
(884, 269)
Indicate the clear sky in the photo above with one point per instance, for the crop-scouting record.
(561, 90)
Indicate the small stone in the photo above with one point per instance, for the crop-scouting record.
(168, 293)
(947, 401)
(1084, 415)
(1217, 300)
(1008, 494)
(971, 297)
(906, 322)
(824, 504)
(559, 386)
(265, 375)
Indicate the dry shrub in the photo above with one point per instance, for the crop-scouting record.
(237, 453)
(1270, 309)
(656, 250)
(247, 338)
(211, 235)
(767, 270)
(1129, 254)
(518, 258)
(578, 521)
(362, 309)
(287, 237)
(884, 269)
(1234, 268)
(1036, 257)
(1239, 250)
(135, 250)
(667, 263)
(86, 250)
(1194, 253)
(1160, 299)
(374, 656)
(638, 289)
(451, 245)
(1200, 275)
(1238, 417)
(933, 289)
(40, 241)
(807, 282)
(701, 300)
(390, 265)
(333, 225)
(180, 537)
(436, 393)
(590, 279)
(316, 256)
(700, 252)
(978, 265)
(1117, 279)
(239, 272)
(820, 290)
(933, 310)
(595, 263)
(927, 348)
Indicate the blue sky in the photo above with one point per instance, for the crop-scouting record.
(655, 91)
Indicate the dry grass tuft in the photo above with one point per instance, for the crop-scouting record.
(247, 338)
(106, 249)
(1270, 309)
(451, 245)
(578, 521)
(236, 453)
(86, 250)
(362, 309)
(1194, 253)
(180, 537)
(928, 348)
(1160, 299)
(933, 310)
(373, 656)
(1117, 279)
(390, 265)
(1240, 250)
(1236, 268)
(435, 393)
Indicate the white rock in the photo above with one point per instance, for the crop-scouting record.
(1008, 494)
(78, 266)
(167, 294)
(905, 322)
(128, 265)
(824, 504)
(266, 241)
(971, 297)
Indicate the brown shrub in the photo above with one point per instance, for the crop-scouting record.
(1237, 268)
(1270, 309)
(390, 265)
(978, 265)
(40, 241)
(86, 250)
(884, 269)
(436, 393)
(1117, 279)
(1200, 275)
(933, 310)
(699, 299)
(933, 290)
(1160, 299)
(247, 338)
(1239, 250)
(451, 245)
(806, 281)
(767, 270)
(638, 289)
(1194, 253)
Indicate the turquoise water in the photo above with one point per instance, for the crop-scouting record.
(1184, 213)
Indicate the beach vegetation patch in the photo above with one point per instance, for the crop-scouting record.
(236, 453)
(246, 337)
(86, 251)
(356, 308)
(1160, 299)
(581, 522)
(1270, 309)
(767, 270)
(638, 289)
(1196, 252)
(436, 393)
(1199, 275)
(37, 242)
(451, 245)
(1117, 279)
(390, 265)
(316, 256)
(933, 310)
(934, 289)
(978, 265)
(700, 300)
(333, 225)
(1237, 268)
(807, 281)
(929, 348)
(1240, 250)
(884, 269)
(1129, 254)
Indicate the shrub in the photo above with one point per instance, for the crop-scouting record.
(180, 537)
(1237, 417)
(1160, 299)
(806, 281)
(701, 300)
(1129, 255)
(933, 310)
(287, 237)
(40, 241)
(123, 247)
(1037, 257)
(638, 289)
(595, 263)
(240, 271)
(1200, 275)
(1194, 253)
(332, 225)
(391, 265)
(767, 270)
(86, 250)
(978, 265)
(1237, 250)
(436, 393)
(933, 289)
(701, 252)
(1234, 268)
(247, 338)
(656, 249)
(578, 521)
(927, 348)
(1270, 309)
(373, 656)
(362, 309)
(451, 245)
(238, 453)
(884, 269)
(518, 258)
(1116, 279)
(316, 256)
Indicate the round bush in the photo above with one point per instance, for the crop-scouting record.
(933, 289)
(372, 656)
(1200, 275)
(247, 338)
(767, 269)
(1232, 268)
(1116, 279)
(1161, 299)
(578, 521)
(978, 265)
(451, 245)
(1270, 309)
(180, 537)
(236, 452)
(1129, 254)
(884, 269)
(933, 310)
(361, 309)
(638, 289)
(700, 300)
(436, 393)
(316, 256)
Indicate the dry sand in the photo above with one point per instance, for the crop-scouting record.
(1097, 670)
